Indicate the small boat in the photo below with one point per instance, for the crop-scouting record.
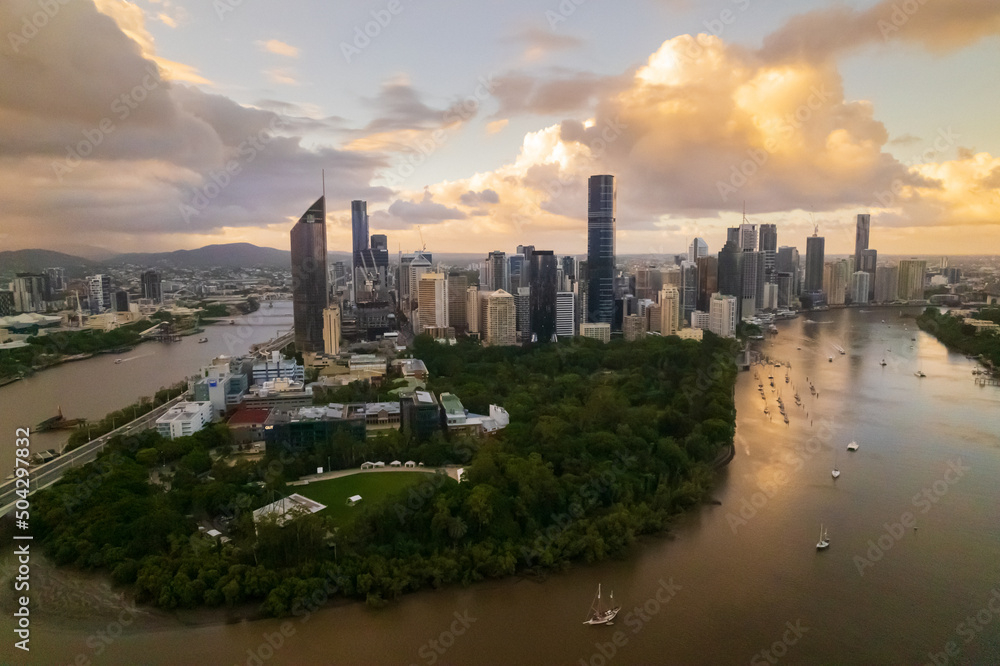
(919, 373)
(883, 363)
(853, 446)
(200, 340)
(824, 539)
(835, 473)
(830, 359)
(599, 614)
(117, 361)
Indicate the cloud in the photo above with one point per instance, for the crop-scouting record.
(129, 153)
(539, 43)
(557, 91)
(425, 211)
(477, 199)
(285, 76)
(496, 126)
(935, 26)
(279, 48)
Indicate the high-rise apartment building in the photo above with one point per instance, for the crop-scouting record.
(861, 235)
(601, 209)
(634, 328)
(565, 314)
(670, 311)
(708, 280)
(432, 301)
(99, 293)
(722, 315)
(309, 277)
(815, 258)
(458, 287)
(499, 319)
(472, 310)
(912, 277)
(859, 287)
(887, 284)
(29, 292)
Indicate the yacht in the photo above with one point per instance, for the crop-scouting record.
(824, 539)
(853, 446)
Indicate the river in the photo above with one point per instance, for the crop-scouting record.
(725, 587)
(93, 387)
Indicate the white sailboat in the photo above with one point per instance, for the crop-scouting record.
(836, 472)
(599, 614)
(824, 539)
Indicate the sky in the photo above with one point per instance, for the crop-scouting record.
(155, 125)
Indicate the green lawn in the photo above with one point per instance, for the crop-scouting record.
(372, 486)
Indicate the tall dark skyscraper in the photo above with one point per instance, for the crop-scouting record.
(731, 272)
(601, 203)
(151, 286)
(815, 255)
(861, 239)
(380, 251)
(309, 281)
(544, 286)
(769, 248)
(359, 233)
(708, 281)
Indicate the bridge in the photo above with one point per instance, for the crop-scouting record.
(275, 344)
(45, 475)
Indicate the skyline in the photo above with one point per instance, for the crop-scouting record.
(227, 145)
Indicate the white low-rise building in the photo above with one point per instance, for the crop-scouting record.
(184, 418)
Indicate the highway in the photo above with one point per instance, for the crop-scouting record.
(45, 475)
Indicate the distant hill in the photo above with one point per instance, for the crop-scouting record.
(31, 261)
(230, 254)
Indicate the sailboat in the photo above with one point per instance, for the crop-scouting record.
(599, 614)
(824, 539)
(836, 472)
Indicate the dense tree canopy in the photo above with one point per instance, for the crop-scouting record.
(605, 442)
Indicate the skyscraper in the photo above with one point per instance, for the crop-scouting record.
(309, 277)
(722, 316)
(708, 281)
(499, 319)
(151, 286)
(494, 272)
(697, 249)
(601, 205)
(458, 287)
(432, 301)
(751, 283)
(859, 287)
(861, 239)
(814, 262)
(544, 286)
(99, 289)
(688, 289)
(29, 292)
(472, 309)
(788, 262)
(359, 232)
(748, 237)
(331, 330)
(769, 248)
(912, 276)
(731, 272)
(565, 314)
(670, 311)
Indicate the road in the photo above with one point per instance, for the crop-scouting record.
(47, 474)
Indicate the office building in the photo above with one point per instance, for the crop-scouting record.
(494, 276)
(748, 237)
(912, 278)
(697, 249)
(859, 287)
(770, 300)
(420, 414)
(309, 277)
(151, 287)
(458, 287)
(730, 270)
(769, 250)
(6, 303)
(708, 280)
(331, 330)
(815, 258)
(122, 301)
(275, 367)
(517, 273)
(722, 315)
(544, 287)
(29, 292)
(733, 235)
(56, 282)
(565, 314)
(359, 243)
(597, 331)
(786, 290)
(861, 234)
(522, 308)
(601, 209)
(634, 328)
(99, 293)
(688, 290)
(787, 262)
(670, 311)
(183, 419)
(648, 282)
(869, 262)
(432, 302)
(751, 283)
(700, 320)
